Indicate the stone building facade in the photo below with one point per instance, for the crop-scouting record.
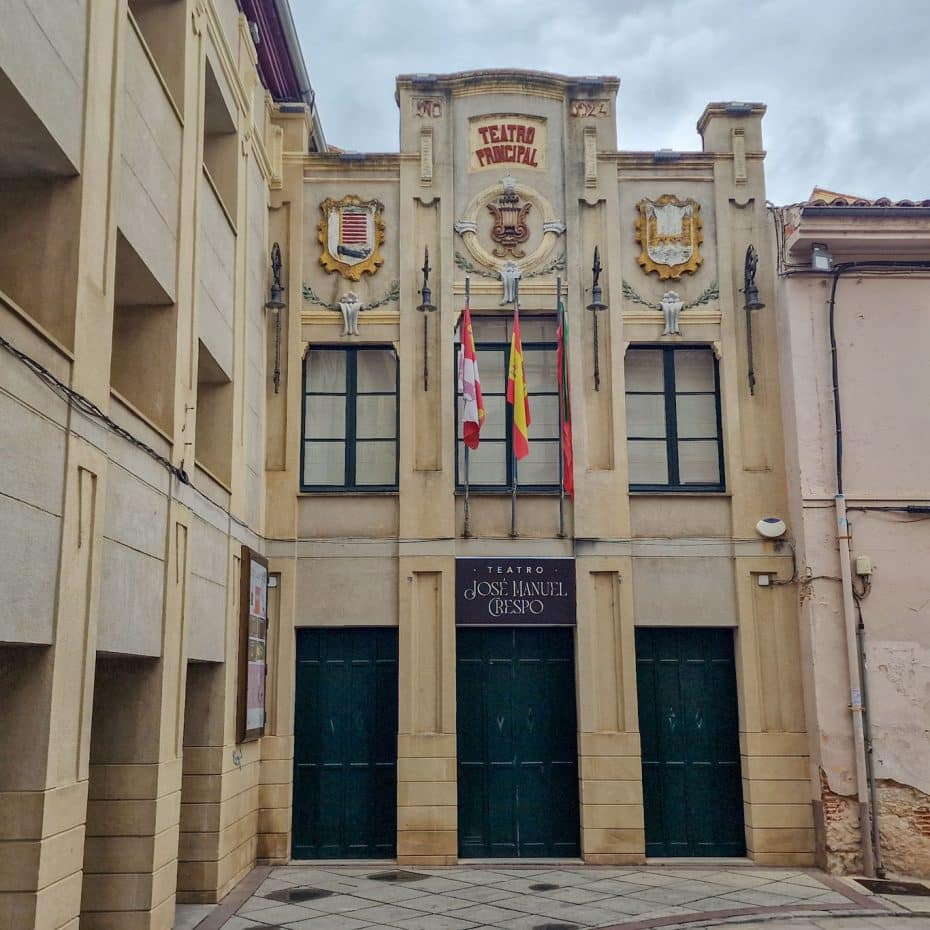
(137, 149)
(860, 495)
(672, 721)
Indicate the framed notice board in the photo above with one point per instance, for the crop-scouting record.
(253, 645)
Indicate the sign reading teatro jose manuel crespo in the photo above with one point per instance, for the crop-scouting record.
(507, 592)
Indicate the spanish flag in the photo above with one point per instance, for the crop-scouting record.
(470, 385)
(517, 394)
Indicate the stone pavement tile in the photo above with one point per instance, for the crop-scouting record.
(478, 876)
(438, 903)
(485, 914)
(281, 914)
(338, 904)
(243, 923)
(482, 894)
(274, 884)
(526, 922)
(385, 913)
(388, 894)
(522, 885)
(579, 876)
(680, 894)
(440, 885)
(614, 886)
(651, 878)
(634, 907)
(531, 904)
(805, 880)
(328, 922)
(252, 905)
(795, 891)
(433, 922)
(736, 879)
(908, 902)
(759, 898)
(512, 873)
(830, 897)
(576, 895)
(588, 916)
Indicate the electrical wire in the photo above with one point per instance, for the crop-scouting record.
(85, 406)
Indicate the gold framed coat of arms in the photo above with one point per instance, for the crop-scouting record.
(669, 232)
(351, 233)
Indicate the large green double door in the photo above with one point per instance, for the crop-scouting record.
(517, 743)
(345, 744)
(689, 731)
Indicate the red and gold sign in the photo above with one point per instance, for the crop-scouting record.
(507, 140)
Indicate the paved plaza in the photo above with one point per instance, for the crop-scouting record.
(550, 897)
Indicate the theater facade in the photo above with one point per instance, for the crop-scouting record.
(466, 661)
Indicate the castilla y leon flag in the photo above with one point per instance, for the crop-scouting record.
(470, 385)
(517, 395)
(565, 410)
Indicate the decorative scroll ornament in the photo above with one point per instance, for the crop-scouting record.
(510, 229)
(351, 233)
(669, 231)
(350, 305)
(671, 306)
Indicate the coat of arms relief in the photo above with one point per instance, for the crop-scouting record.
(351, 233)
(669, 232)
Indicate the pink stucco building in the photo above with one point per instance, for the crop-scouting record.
(853, 315)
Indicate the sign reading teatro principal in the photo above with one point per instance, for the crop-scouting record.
(509, 592)
(506, 139)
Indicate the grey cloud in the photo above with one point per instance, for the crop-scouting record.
(845, 81)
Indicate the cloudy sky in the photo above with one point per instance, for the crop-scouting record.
(847, 82)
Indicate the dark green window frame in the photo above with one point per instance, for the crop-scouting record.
(351, 394)
(670, 395)
(485, 352)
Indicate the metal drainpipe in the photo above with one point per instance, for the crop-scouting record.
(865, 788)
(855, 689)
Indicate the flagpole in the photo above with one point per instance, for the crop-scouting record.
(513, 491)
(560, 313)
(466, 526)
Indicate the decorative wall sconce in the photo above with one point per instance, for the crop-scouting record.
(752, 302)
(277, 304)
(596, 305)
(426, 307)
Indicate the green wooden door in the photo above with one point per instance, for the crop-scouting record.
(689, 728)
(517, 743)
(345, 744)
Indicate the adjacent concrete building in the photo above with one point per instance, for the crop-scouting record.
(137, 148)
(853, 334)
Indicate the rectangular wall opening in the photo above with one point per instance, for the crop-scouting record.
(162, 25)
(199, 841)
(142, 363)
(220, 143)
(213, 449)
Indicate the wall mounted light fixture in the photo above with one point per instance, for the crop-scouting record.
(751, 302)
(426, 307)
(597, 304)
(277, 304)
